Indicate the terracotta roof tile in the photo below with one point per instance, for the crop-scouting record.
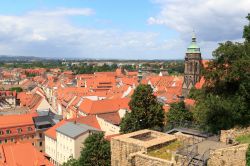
(51, 132)
(91, 107)
(89, 120)
(23, 154)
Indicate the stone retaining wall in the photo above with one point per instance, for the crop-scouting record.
(233, 133)
(231, 156)
(139, 159)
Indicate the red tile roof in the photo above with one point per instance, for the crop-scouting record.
(189, 102)
(51, 132)
(113, 118)
(91, 107)
(199, 84)
(88, 120)
(21, 154)
(109, 137)
(16, 120)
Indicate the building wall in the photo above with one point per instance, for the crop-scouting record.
(122, 112)
(8, 102)
(79, 144)
(44, 105)
(120, 152)
(65, 147)
(24, 136)
(51, 148)
(107, 127)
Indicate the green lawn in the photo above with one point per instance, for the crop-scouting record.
(244, 138)
(165, 151)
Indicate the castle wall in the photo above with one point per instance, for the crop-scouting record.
(234, 155)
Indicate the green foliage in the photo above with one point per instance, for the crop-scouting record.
(30, 74)
(174, 68)
(146, 111)
(224, 100)
(96, 151)
(90, 69)
(178, 113)
(38, 64)
(245, 139)
(246, 32)
(129, 67)
(17, 89)
(71, 162)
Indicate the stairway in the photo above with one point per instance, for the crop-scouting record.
(196, 161)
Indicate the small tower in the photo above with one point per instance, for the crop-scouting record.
(139, 74)
(192, 70)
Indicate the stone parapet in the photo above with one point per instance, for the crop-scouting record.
(233, 133)
(231, 156)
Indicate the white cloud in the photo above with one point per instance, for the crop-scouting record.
(213, 20)
(41, 35)
(64, 12)
(52, 34)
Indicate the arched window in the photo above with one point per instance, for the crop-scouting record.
(19, 130)
(191, 67)
(8, 132)
(196, 67)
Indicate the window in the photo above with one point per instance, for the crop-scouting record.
(5, 140)
(40, 135)
(8, 132)
(29, 128)
(41, 143)
(0, 141)
(12, 139)
(1, 132)
(19, 130)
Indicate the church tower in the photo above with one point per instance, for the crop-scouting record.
(192, 72)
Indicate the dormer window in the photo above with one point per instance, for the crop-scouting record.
(8, 132)
(19, 130)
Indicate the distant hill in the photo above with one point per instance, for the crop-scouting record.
(19, 58)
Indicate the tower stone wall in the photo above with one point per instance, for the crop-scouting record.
(192, 71)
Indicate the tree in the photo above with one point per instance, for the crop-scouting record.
(178, 113)
(246, 32)
(17, 89)
(96, 151)
(71, 162)
(224, 100)
(146, 111)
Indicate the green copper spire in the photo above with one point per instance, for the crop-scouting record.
(193, 48)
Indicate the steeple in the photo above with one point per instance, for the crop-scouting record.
(193, 47)
(140, 73)
(192, 70)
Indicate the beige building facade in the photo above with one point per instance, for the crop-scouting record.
(68, 142)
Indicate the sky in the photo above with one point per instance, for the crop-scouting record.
(118, 29)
